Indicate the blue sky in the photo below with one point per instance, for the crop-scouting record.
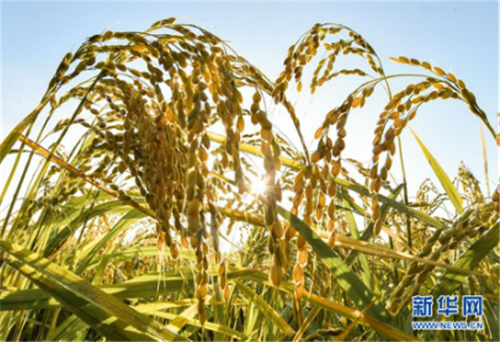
(460, 37)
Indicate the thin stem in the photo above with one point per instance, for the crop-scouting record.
(405, 191)
(485, 156)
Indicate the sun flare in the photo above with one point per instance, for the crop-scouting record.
(259, 186)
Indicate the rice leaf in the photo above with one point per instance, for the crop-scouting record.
(74, 293)
(445, 181)
(265, 308)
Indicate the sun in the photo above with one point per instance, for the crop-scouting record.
(259, 186)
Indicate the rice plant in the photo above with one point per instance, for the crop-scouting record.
(150, 149)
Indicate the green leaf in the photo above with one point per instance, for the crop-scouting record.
(70, 329)
(12, 137)
(445, 181)
(75, 293)
(218, 328)
(181, 320)
(73, 326)
(110, 207)
(265, 308)
(140, 287)
(129, 218)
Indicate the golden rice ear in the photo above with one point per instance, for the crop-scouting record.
(496, 198)
(496, 194)
(276, 275)
(202, 312)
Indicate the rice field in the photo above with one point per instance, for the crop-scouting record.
(151, 150)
